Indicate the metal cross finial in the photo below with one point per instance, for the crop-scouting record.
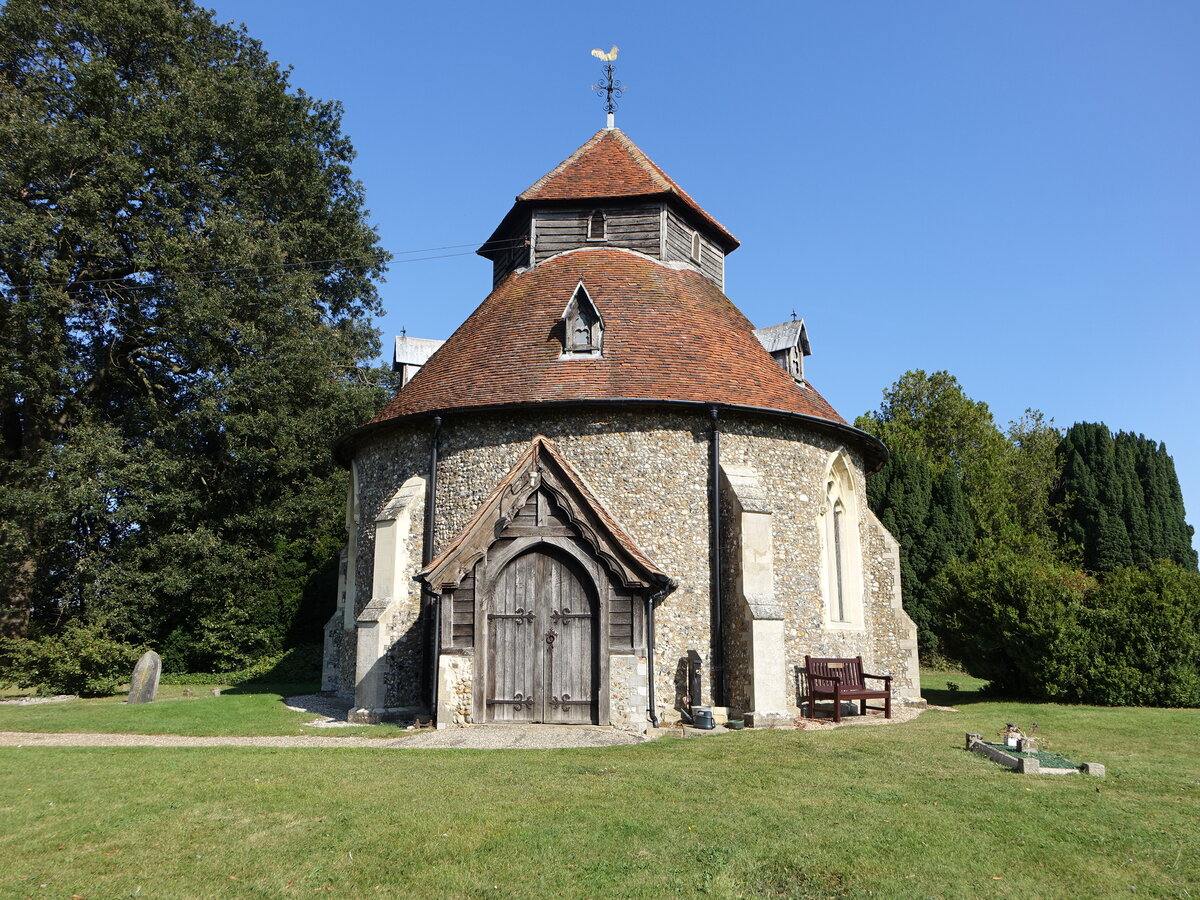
(611, 89)
(793, 315)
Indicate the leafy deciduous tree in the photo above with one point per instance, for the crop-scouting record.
(186, 281)
(932, 418)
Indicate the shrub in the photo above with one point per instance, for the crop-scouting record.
(1038, 629)
(1145, 626)
(1015, 622)
(294, 666)
(78, 660)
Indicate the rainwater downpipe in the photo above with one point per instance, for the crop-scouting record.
(651, 706)
(432, 599)
(717, 648)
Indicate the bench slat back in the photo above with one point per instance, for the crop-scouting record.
(849, 670)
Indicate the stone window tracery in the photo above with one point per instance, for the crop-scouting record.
(840, 551)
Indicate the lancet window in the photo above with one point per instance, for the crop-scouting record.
(842, 555)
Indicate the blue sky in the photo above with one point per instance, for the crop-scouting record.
(1007, 191)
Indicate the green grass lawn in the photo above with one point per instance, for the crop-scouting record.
(898, 811)
(248, 709)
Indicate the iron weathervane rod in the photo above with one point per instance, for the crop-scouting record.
(610, 88)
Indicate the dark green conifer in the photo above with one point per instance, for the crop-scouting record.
(928, 514)
(1121, 500)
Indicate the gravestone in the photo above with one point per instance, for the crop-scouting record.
(143, 686)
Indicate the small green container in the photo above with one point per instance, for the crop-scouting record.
(735, 724)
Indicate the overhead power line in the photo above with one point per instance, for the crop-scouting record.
(212, 276)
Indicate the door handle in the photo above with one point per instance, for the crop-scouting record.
(550, 636)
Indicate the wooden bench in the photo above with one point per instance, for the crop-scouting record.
(844, 679)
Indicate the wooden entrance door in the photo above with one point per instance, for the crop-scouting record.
(541, 644)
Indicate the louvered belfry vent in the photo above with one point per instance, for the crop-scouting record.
(609, 193)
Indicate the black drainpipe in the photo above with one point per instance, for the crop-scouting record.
(650, 713)
(667, 587)
(432, 601)
(718, 649)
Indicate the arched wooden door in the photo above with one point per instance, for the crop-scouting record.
(542, 630)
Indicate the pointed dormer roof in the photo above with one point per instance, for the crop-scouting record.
(610, 166)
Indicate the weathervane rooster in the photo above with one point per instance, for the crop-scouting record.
(610, 89)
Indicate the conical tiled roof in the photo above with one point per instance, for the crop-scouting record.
(611, 165)
(670, 336)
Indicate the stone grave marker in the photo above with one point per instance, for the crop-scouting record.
(143, 686)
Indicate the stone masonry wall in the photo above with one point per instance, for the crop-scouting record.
(649, 470)
(628, 695)
(649, 467)
(791, 461)
(384, 464)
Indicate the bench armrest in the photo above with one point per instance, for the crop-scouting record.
(886, 679)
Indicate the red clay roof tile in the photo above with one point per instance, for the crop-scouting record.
(669, 335)
(611, 165)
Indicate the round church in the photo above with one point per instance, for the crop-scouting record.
(607, 498)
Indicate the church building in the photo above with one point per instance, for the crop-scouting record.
(606, 498)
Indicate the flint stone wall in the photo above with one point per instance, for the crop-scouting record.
(791, 462)
(383, 467)
(649, 468)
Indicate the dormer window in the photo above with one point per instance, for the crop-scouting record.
(583, 329)
(697, 246)
(788, 345)
(597, 226)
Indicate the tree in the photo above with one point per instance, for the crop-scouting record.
(1122, 503)
(956, 484)
(1033, 473)
(186, 285)
(928, 515)
(931, 417)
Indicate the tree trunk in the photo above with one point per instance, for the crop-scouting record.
(14, 613)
